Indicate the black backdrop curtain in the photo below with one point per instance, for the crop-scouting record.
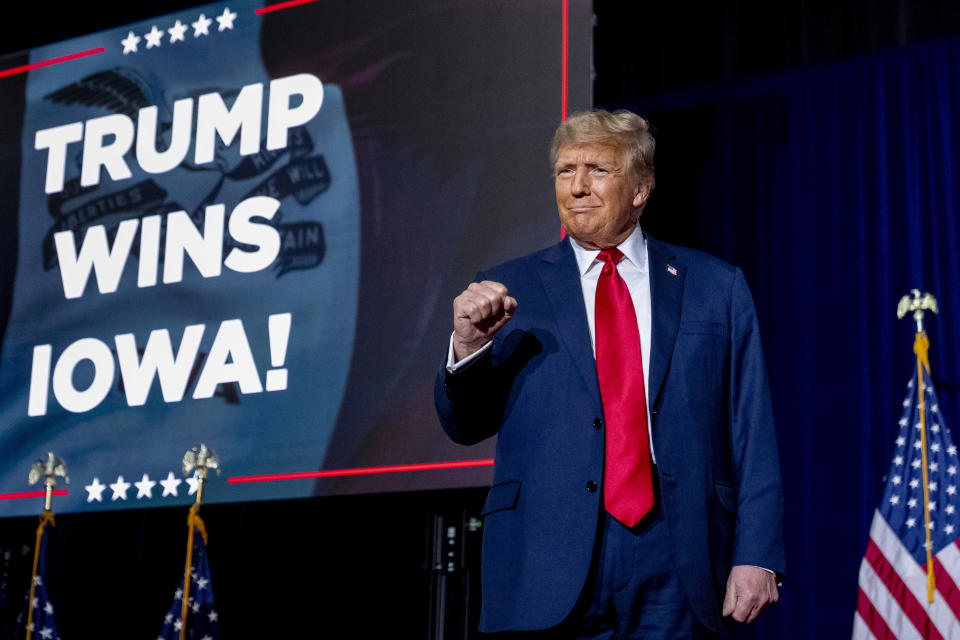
(836, 190)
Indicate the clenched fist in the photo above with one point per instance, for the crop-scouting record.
(478, 313)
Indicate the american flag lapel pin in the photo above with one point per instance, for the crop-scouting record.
(672, 270)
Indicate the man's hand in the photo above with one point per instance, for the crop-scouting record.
(478, 313)
(750, 590)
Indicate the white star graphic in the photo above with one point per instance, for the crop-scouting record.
(948, 529)
(896, 480)
(906, 402)
(911, 522)
(894, 499)
(898, 460)
(201, 26)
(903, 422)
(167, 619)
(932, 486)
(935, 428)
(930, 526)
(177, 625)
(949, 509)
(95, 490)
(176, 31)
(917, 444)
(202, 583)
(901, 441)
(934, 466)
(915, 464)
(37, 580)
(207, 637)
(48, 608)
(130, 43)
(952, 450)
(145, 487)
(194, 483)
(932, 506)
(935, 446)
(35, 602)
(952, 470)
(178, 594)
(918, 426)
(951, 489)
(170, 485)
(912, 502)
(914, 483)
(46, 633)
(196, 607)
(153, 37)
(934, 408)
(212, 615)
(119, 489)
(225, 20)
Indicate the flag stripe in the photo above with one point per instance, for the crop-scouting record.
(885, 605)
(901, 592)
(867, 622)
(950, 557)
(913, 576)
(946, 586)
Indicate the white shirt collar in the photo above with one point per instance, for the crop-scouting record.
(634, 249)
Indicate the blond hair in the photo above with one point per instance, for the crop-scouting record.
(622, 129)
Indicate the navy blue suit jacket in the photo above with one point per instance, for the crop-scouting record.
(712, 427)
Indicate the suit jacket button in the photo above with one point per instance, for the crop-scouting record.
(597, 423)
(591, 486)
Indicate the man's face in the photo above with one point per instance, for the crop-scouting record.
(598, 200)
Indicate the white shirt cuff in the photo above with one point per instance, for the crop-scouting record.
(453, 366)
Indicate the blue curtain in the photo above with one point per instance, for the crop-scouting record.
(836, 189)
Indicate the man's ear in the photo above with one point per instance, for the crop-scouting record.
(641, 194)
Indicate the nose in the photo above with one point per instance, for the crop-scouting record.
(581, 183)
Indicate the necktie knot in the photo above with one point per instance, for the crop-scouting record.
(610, 258)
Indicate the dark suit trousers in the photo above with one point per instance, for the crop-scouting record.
(633, 593)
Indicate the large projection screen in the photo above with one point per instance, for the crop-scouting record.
(244, 225)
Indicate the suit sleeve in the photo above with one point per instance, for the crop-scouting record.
(758, 539)
(469, 402)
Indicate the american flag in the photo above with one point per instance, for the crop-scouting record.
(893, 600)
(202, 619)
(42, 626)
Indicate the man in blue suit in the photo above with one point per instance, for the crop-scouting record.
(637, 489)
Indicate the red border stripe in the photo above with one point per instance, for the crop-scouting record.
(873, 619)
(563, 61)
(31, 494)
(362, 471)
(46, 63)
(908, 602)
(281, 5)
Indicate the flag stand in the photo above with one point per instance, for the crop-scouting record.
(921, 346)
(198, 461)
(47, 469)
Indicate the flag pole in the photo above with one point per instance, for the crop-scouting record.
(47, 469)
(199, 461)
(921, 346)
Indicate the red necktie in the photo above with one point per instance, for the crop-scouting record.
(628, 483)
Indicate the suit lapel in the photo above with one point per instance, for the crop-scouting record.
(666, 296)
(561, 279)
